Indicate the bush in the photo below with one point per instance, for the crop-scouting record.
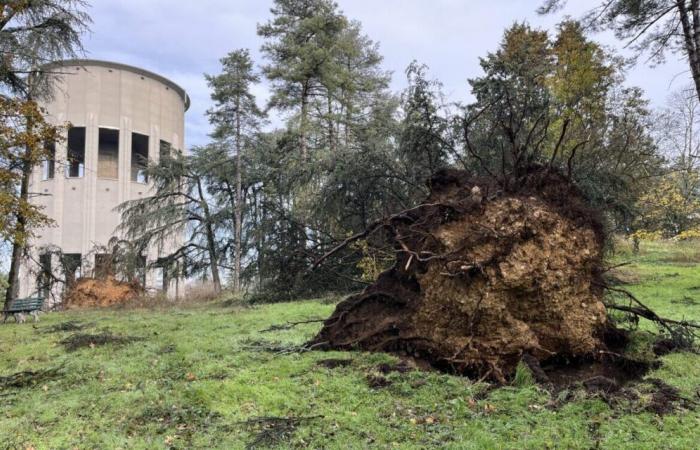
(687, 235)
(644, 235)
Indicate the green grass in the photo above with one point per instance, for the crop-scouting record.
(195, 375)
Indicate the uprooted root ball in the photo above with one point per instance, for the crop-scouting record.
(482, 277)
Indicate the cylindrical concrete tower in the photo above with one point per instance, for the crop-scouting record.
(121, 117)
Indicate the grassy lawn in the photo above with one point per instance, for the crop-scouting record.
(196, 374)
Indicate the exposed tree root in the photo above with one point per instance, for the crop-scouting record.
(482, 277)
(643, 311)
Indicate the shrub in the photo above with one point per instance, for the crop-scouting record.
(693, 233)
(644, 235)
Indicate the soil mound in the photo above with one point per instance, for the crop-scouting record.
(100, 292)
(484, 276)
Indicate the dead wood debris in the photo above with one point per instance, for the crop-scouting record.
(289, 325)
(80, 340)
(71, 325)
(270, 431)
(277, 348)
(29, 378)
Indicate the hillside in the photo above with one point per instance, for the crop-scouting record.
(206, 376)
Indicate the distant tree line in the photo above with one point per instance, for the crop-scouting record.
(261, 206)
(258, 206)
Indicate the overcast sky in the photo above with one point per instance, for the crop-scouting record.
(182, 40)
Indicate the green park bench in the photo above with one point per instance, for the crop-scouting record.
(21, 306)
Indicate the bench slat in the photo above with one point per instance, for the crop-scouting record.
(25, 305)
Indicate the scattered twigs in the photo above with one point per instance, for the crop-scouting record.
(71, 325)
(280, 349)
(616, 266)
(29, 378)
(645, 312)
(271, 431)
(80, 340)
(289, 325)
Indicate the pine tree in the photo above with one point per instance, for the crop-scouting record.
(300, 42)
(180, 204)
(236, 117)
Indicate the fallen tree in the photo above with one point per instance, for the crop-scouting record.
(483, 277)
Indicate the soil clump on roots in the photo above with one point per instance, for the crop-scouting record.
(101, 293)
(483, 277)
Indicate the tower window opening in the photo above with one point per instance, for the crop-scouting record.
(48, 166)
(44, 279)
(165, 149)
(72, 267)
(104, 265)
(75, 167)
(108, 154)
(139, 157)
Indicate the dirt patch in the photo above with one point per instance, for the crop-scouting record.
(78, 341)
(483, 276)
(334, 363)
(617, 380)
(664, 346)
(100, 293)
(665, 399)
(402, 366)
(376, 381)
(606, 375)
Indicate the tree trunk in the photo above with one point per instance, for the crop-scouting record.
(331, 127)
(303, 119)
(260, 235)
(691, 35)
(239, 202)
(211, 246)
(19, 244)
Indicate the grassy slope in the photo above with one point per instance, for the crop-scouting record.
(191, 379)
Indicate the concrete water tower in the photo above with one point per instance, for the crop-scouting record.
(121, 117)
